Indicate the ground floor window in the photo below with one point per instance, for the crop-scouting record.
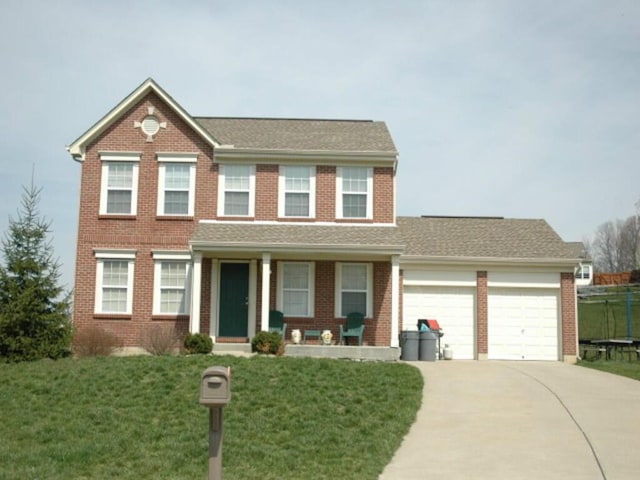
(114, 281)
(354, 289)
(296, 288)
(171, 283)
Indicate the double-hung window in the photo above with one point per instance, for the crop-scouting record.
(171, 283)
(114, 281)
(354, 191)
(296, 282)
(354, 289)
(236, 194)
(297, 186)
(176, 184)
(119, 183)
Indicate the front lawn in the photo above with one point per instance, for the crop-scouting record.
(139, 417)
(625, 368)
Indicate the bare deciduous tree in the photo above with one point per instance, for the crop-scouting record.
(616, 245)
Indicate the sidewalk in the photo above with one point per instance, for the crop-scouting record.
(521, 420)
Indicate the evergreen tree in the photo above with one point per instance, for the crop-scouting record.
(34, 309)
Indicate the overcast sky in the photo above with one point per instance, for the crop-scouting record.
(525, 109)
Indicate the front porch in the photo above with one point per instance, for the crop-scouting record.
(347, 352)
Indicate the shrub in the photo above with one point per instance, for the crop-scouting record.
(267, 342)
(160, 339)
(93, 341)
(198, 343)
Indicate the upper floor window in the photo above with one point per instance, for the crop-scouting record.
(171, 283)
(114, 281)
(296, 288)
(119, 183)
(297, 186)
(236, 194)
(354, 192)
(354, 289)
(176, 184)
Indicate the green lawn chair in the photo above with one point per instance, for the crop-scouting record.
(353, 328)
(277, 323)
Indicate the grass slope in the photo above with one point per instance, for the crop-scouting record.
(139, 417)
(624, 368)
(605, 315)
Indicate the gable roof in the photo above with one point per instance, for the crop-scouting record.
(474, 238)
(288, 238)
(78, 146)
(364, 136)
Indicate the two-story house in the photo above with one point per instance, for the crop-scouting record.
(209, 223)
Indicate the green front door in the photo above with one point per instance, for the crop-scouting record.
(234, 299)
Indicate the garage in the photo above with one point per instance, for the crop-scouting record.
(454, 309)
(523, 324)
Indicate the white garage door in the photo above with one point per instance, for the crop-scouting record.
(523, 324)
(453, 307)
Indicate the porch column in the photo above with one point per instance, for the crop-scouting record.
(266, 274)
(395, 301)
(196, 286)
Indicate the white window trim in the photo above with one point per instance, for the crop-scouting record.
(165, 158)
(338, 292)
(339, 192)
(282, 192)
(311, 292)
(109, 254)
(252, 191)
(108, 158)
(170, 256)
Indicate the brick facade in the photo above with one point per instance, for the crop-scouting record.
(568, 315)
(482, 314)
(146, 232)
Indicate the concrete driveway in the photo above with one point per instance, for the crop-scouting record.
(521, 420)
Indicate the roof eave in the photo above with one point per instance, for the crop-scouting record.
(77, 148)
(506, 261)
(226, 152)
(204, 245)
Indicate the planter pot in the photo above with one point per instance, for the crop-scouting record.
(296, 336)
(326, 337)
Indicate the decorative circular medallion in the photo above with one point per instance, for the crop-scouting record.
(150, 125)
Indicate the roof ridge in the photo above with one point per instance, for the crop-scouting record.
(296, 119)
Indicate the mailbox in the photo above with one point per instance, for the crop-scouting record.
(215, 387)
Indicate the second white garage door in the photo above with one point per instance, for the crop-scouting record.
(523, 324)
(454, 309)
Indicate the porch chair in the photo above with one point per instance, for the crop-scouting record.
(354, 327)
(277, 323)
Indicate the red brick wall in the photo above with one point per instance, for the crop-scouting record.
(143, 232)
(482, 313)
(568, 313)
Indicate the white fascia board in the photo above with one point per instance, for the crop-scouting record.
(296, 248)
(319, 157)
(77, 148)
(562, 264)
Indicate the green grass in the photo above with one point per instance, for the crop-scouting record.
(625, 368)
(139, 417)
(605, 316)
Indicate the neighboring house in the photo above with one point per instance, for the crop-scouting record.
(209, 223)
(584, 269)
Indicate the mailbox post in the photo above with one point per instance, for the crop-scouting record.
(215, 393)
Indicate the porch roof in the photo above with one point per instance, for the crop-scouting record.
(291, 238)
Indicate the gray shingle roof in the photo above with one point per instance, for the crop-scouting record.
(289, 236)
(482, 238)
(295, 134)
